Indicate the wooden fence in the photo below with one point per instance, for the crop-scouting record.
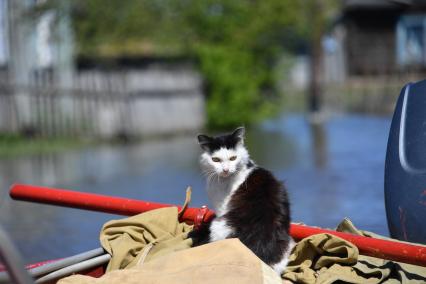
(370, 94)
(105, 106)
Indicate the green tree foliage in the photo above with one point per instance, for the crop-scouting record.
(235, 43)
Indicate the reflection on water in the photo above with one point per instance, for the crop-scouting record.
(332, 171)
(319, 145)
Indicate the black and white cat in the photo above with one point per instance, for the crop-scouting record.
(250, 203)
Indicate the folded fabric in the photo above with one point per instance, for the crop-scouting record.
(225, 262)
(311, 255)
(386, 271)
(153, 247)
(145, 236)
(325, 259)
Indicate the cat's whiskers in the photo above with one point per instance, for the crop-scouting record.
(209, 175)
(218, 178)
(208, 172)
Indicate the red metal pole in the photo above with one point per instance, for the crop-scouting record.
(100, 203)
(385, 249)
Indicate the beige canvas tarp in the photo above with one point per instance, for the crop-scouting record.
(153, 248)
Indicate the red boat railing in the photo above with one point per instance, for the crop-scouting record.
(101, 203)
(386, 249)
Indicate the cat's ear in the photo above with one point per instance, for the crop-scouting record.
(239, 133)
(204, 142)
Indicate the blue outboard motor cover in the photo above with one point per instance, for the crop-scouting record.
(405, 169)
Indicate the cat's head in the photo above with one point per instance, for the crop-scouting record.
(223, 155)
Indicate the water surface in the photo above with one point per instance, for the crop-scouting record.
(332, 171)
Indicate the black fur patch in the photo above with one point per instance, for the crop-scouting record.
(224, 141)
(201, 235)
(259, 214)
(250, 164)
(228, 141)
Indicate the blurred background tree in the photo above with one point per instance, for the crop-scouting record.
(235, 44)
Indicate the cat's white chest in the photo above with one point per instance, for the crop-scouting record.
(220, 191)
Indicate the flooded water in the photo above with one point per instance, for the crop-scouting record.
(332, 171)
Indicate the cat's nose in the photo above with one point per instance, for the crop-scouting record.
(226, 171)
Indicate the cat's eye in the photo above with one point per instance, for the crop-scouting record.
(215, 159)
(233, 158)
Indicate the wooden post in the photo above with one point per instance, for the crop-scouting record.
(316, 15)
